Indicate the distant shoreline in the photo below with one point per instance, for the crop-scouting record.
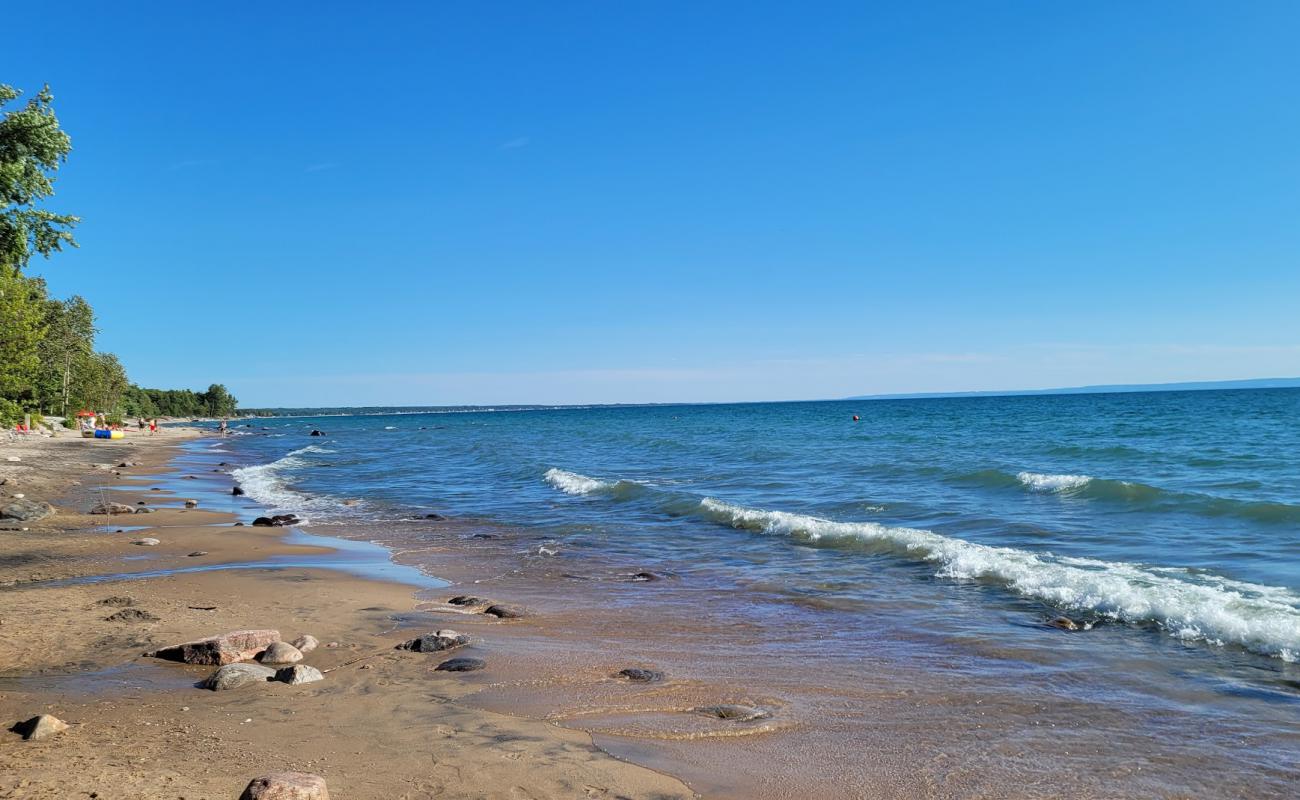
(1137, 388)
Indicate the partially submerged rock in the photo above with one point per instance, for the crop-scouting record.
(1065, 624)
(640, 675)
(278, 521)
(461, 665)
(237, 491)
(227, 648)
(24, 510)
(147, 541)
(233, 676)
(40, 727)
(281, 653)
(112, 508)
(191, 503)
(503, 611)
(734, 713)
(435, 642)
(286, 786)
(298, 673)
(468, 600)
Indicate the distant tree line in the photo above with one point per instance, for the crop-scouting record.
(48, 361)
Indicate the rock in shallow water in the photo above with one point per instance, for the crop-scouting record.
(735, 713)
(233, 676)
(281, 653)
(224, 649)
(461, 665)
(502, 611)
(286, 786)
(435, 642)
(639, 675)
(147, 541)
(467, 600)
(41, 727)
(297, 674)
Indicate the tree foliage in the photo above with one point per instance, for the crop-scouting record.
(32, 146)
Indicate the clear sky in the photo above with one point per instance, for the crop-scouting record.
(327, 203)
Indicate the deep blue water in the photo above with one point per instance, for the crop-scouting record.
(1175, 514)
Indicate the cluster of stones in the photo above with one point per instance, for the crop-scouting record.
(234, 652)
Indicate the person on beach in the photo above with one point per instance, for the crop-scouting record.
(139, 422)
(221, 429)
(153, 426)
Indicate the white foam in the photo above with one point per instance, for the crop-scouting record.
(573, 483)
(1040, 482)
(268, 484)
(1190, 606)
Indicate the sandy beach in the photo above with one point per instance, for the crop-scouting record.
(382, 723)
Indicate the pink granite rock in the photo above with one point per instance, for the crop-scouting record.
(227, 648)
(286, 786)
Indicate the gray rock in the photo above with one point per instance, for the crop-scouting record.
(224, 649)
(298, 673)
(639, 675)
(468, 600)
(286, 786)
(461, 665)
(197, 553)
(305, 643)
(26, 510)
(735, 713)
(117, 601)
(281, 653)
(233, 676)
(435, 642)
(143, 510)
(502, 611)
(1064, 623)
(112, 508)
(132, 615)
(147, 541)
(191, 503)
(40, 727)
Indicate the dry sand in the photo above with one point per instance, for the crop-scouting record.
(383, 723)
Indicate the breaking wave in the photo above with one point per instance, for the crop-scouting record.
(1189, 605)
(272, 484)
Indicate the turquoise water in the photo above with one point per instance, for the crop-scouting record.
(1175, 515)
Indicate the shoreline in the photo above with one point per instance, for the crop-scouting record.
(383, 723)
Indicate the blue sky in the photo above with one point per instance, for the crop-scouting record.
(325, 203)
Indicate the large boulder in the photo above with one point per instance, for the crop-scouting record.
(26, 510)
(286, 786)
(41, 727)
(233, 676)
(228, 648)
(112, 508)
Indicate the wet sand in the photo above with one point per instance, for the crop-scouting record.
(383, 723)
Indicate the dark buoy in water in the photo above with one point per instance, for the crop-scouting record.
(855, 417)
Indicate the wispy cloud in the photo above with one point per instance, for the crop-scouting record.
(515, 144)
(321, 167)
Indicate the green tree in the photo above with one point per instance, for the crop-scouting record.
(32, 146)
(67, 347)
(22, 327)
(218, 401)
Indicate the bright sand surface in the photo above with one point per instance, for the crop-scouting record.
(382, 724)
